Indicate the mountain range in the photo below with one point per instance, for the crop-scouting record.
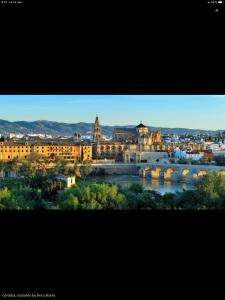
(58, 128)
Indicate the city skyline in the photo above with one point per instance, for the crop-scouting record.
(205, 112)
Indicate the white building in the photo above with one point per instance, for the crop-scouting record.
(184, 154)
(130, 156)
(69, 180)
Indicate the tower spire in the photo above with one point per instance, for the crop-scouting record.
(97, 130)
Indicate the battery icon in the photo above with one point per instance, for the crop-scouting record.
(220, 2)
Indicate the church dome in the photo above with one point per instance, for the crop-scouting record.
(141, 125)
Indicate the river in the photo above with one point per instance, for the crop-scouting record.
(159, 185)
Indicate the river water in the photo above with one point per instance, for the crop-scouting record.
(159, 185)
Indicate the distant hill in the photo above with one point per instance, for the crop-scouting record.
(57, 128)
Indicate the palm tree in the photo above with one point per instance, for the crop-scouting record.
(2, 166)
(12, 165)
(76, 168)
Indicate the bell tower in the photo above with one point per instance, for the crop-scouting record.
(97, 131)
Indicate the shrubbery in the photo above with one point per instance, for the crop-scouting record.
(44, 192)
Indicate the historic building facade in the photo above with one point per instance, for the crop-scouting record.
(67, 149)
(135, 144)
(124, 139)
(138, 135)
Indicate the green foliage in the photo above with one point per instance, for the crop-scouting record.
(91, 196)
(47, 184)
(42, 191)
(86, 168)
(6, 201)
(136, 187)
(212, 189)
(61, 167)
(26, 169)
(143, 200)
(26, 197)
(186, 200)
(66, 200)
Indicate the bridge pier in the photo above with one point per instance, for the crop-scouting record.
(176, 171)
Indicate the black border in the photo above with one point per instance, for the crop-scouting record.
(40, 249)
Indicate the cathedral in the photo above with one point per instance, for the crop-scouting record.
(138, 135)
(124, 138)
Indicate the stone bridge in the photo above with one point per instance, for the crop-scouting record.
(176, 171)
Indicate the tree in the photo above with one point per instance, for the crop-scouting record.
(86, 168)
(26, 197)
(186, 200)
(6, 200)
(2, 166)
(61, 167)
(91, 196)
(76, 168)
(26, 169)
(150, 200)
(34, 157)
(211, 188)
(136, 187)
(67, 201)
(12, 165)
(53, 157)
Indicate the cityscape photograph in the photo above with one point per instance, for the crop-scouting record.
(123, 152)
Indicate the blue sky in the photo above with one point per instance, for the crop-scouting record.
(203, 112)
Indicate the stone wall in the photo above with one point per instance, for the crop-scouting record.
(117, 169)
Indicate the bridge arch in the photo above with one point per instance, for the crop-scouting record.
(199, 174)
(156, 173)
(143, 171)
(184, 172)
(202, 173)
(167, 173)
(221, 172)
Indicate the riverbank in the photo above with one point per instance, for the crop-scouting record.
(159, 185)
